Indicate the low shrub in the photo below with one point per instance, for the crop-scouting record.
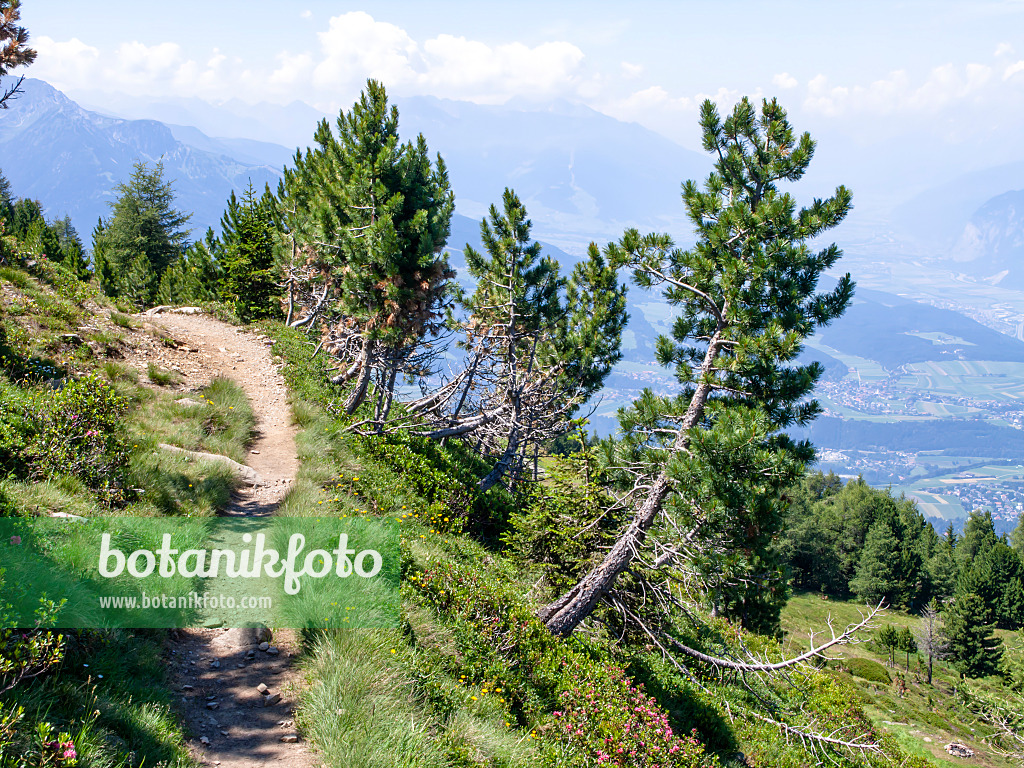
(869, 670)
(609, 721)
(79, 431)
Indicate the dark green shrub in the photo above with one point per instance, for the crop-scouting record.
(866, 669)
(79, 432)
(565, 521)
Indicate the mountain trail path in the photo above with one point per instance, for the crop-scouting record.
(236, 688)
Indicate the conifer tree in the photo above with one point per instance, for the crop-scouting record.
(71, 248)
(747, 296)
(942, 571)
(971, 646)
(143, 224)
(879, 566)
(1017, 537)
(373, 215)
(978, 538)
(250, 279)
(14, 50)
(539, 344)
(889, 638)
(905, 642)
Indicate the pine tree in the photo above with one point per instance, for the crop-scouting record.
(942, 571)
(250, 279)
(539, 345)
(905, 643)
(889, 638)
(373, 215)
(1011, 607)
(143, 224)
(877, 576)
(1017, 537)
(979, 536)
(14, 50)
(71, 248)
(747, 296)
(971, 646)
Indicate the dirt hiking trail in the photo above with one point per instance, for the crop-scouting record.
(234, 687)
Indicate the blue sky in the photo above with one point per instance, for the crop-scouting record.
(942, 74)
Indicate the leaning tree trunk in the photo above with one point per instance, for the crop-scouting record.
(355, 399)
(501, 467)
(565, 614)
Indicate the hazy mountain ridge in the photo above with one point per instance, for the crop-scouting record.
(991, 245)
(71, 159)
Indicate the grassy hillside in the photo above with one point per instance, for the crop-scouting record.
(471, 677)
(100, 691)
(924, 718)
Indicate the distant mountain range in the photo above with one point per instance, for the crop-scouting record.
(583, 176)
(71, 159)
(991, 246)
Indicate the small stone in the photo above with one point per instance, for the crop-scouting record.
(225, 734)
(215, 664)
(271, 700)
(289, 738)
(273, 651)
(255, 453)
(262, 688)
(213, 705)
(213, 623)
(240, 666)
(264, 645)
(188, 687)
(211, 698)
(205, 741)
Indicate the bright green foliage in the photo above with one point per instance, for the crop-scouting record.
(971, 646)
(79, 432)
(905, 643)
(889, 638)
(196, 277)
(890, 564)
(867, 669)
(374, 214)
(979, 536)
(747, 297)
(540, 345)
(72, 251)
(990, 575)
(566, 521)
(250, 281)
(854, 538)
(143, 237)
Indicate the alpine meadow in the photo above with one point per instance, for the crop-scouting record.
(472, 389)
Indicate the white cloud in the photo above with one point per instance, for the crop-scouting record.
(353, 47)
(356, 46)
(1013, 69)
(631, 70)
(306, 14)
(1003, 49)
(785, 81)
(945, 86)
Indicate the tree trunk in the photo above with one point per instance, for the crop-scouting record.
(384, 398)
(355, 399)
(498, 470)
(565, 614)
